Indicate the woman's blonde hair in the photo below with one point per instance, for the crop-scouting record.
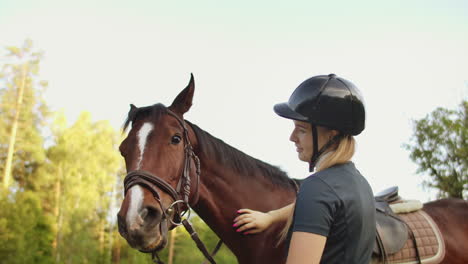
(339, 153)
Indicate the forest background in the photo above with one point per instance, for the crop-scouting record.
(62, 183)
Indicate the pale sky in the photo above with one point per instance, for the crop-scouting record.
(407, 57)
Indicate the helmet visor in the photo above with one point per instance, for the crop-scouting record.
(285, 111)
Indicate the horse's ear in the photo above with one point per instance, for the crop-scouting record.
(131, 116)
(183, 101)
(132, 111)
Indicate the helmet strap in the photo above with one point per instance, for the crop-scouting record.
(317, 153)
(315, 150)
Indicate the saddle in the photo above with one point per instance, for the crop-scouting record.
(392, 233)
(388, 195)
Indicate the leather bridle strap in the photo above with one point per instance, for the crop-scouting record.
(189, 155)
(149, 180)
(199, 243)
(183, 187)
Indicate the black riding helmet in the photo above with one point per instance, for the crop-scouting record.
(328, 101)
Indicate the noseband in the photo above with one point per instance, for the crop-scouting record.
(181, 194)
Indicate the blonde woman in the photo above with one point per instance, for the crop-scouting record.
(333, 218)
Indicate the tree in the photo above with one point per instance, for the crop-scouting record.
(82, 168)
(186, 251)
(25, 231)
(439, 146)
(22, 115)
(25, 228)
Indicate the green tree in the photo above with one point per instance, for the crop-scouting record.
(186, 251)
(439, 146)
(25, 231)
(82, 168)
(22, 115)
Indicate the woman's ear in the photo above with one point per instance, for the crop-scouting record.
(333, 133)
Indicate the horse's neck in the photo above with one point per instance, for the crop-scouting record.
(223, 191)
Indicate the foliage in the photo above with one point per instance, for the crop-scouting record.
(82, 167)
(61, 204)
(25, 231)
(440, 147)
(186, 250)
(22, 69)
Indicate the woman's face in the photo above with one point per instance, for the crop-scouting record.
(302, 138)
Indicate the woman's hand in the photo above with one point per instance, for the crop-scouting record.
(252, 222)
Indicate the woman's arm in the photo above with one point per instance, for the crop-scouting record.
(254, 221)
(306, 248)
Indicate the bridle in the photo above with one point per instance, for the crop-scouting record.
(180, 208)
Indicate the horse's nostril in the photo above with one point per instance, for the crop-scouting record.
(152, 213)
(144, 213)
(150, 216)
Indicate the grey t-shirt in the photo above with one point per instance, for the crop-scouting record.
(338, 203)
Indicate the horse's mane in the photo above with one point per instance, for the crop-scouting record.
(237, 160)
(224, 153)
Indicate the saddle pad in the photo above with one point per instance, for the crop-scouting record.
(428, 238)
(406, 206)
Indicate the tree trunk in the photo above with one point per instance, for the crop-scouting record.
(59, 214)
(59, 237)
(113, 204)
(102, 231)
(57, 189)
(14, 128)
(116, 255)
(171, 245)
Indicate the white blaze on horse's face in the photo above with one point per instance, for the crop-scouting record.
(134, 219)
(143, 133)
(136, 193)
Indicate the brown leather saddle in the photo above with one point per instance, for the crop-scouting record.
(392, 233)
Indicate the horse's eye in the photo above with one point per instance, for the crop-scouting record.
(176, 139)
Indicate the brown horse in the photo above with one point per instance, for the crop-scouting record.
(159, 145)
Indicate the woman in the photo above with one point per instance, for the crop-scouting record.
(333, 218)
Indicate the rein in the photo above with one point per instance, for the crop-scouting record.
(180, 195)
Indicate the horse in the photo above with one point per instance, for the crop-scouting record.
(167, 158)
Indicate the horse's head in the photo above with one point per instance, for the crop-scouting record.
(160, 165)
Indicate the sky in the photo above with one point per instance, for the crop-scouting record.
(407, 58)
